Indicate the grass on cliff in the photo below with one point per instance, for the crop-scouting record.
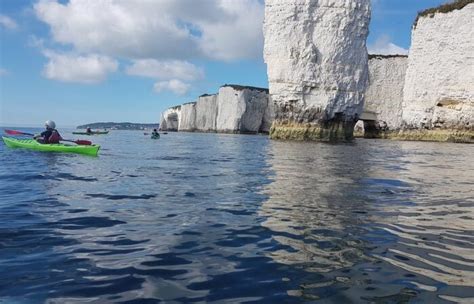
(241, 87)
(379, 56)
(445, 8)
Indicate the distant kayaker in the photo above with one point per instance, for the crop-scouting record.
(88, 130)
(50, 135)
(155, 133)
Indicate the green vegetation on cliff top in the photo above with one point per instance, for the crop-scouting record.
(445, 8)
(241, 87)
(379, 56)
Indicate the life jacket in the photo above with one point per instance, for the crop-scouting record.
(54, 138)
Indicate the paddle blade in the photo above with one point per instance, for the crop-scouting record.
(79, 142)
(83, 142)
(14, 132)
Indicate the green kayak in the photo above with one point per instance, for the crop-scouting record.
(91, 133)
(34, 145)
(155, 136)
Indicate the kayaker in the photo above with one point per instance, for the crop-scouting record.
(88, 130)
(50, 135)
(155, 133)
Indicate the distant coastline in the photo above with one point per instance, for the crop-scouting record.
(119, 126)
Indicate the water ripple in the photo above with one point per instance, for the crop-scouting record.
(229, 219)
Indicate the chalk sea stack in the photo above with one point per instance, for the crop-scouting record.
(317, 66)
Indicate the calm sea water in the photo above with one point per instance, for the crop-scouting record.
(229, 218)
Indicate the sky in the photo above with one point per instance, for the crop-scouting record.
(82, 61)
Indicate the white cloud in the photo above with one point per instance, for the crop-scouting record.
(383, 46)
(240, 36)
(8, 22)
(165, 29)
(174, 85)
(160, 38)
(88, 69)
(170, 69)
(3, 72)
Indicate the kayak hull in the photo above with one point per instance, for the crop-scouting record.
(92, 133)
(34, 145)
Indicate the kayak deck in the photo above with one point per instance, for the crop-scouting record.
(34, 145)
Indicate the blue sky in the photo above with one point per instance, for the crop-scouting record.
(85, 61)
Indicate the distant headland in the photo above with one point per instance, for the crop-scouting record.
(119, 126)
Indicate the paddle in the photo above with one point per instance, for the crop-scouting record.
(78, 142)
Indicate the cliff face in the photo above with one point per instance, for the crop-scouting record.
(439, 85)
(316, 58)
(170, 119)
(235, 109)
(241, 109)
(384, 95)
(188, 117)
(206, 113)
(268, 116)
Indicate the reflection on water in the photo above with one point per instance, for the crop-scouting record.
(229, 219)
(312, 201)
(436, 234)
(410, 205)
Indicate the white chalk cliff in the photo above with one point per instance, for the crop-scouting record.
(235, 109)
(206, 113)
(429, 95)
(319, 76)
(439, 83)
(170, 119)
(188, 117)
(384, 96)
(241, 109)
(317, 67)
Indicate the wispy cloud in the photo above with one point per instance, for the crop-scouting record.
(168, 69)
(174, 74)
(174, 85)
(384, 46)
(3, 72)
(8, 22)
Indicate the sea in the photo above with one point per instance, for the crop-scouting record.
(223, 218)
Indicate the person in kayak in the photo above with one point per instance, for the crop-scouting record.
(88, 130)
(155, 133)
(50, 135)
